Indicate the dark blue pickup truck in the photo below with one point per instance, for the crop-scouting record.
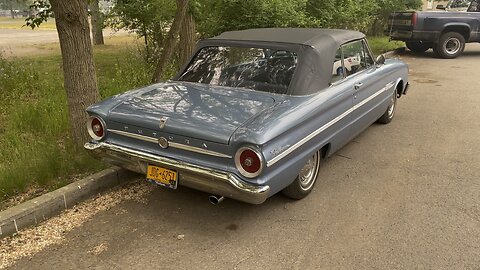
(446, 32)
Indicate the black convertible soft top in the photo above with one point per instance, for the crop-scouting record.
(316, 50)
(318, 38)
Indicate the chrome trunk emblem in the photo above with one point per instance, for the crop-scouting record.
(163, 121)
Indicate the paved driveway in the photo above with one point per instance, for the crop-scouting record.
(400, 196)
(14, 37)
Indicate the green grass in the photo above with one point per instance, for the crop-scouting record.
(17, 23)
(35, 148)
(381, 44)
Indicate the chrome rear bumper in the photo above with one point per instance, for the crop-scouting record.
(189, 175)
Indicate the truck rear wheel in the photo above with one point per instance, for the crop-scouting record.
(418, 47)
(450, 45)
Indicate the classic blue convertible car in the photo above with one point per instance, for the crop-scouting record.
(253, 112)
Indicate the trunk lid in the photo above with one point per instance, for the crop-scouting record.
(198, 111)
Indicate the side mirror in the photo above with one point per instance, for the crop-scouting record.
(380, 60)
(442, 7)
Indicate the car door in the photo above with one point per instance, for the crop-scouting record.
(367, 85)
(337, 109)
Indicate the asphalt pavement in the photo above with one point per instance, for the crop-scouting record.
(400, 196)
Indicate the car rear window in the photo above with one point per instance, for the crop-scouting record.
(260, 69)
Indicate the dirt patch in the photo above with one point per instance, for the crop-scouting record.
(96, 250)
(31, 192)
(24, 42)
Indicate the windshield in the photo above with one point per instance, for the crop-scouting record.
(260, 69)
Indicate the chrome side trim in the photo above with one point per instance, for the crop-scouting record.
(327, 125)
(170, 144)
(134, 136)
(197, 150)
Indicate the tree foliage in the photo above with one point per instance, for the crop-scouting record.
(152, 19)
(43, 13)
(368, 16)
(14, 5)
(217, 16)
(149, 19)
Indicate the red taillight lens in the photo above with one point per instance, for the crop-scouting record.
(249, 162)
(96, 128)
(414, 18)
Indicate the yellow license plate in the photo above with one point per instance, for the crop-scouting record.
(162, 176)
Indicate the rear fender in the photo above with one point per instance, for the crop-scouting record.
(461, 28)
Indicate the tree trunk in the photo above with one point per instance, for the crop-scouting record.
(12, 13)
(80, 82)
(187, 38)
(97, 23)
(167, 53)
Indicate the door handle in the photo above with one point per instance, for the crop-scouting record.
(358, 85)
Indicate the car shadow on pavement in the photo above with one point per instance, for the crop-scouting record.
(431, 55)
(470, 53)
(187, 213)
(428, 54)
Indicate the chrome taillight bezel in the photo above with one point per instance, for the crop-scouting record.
(239, 165)
(90, 130)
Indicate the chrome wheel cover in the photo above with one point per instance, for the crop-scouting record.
(308, 174)
(391, 107)
(452, 46)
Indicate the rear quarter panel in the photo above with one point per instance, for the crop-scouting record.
(440, 22)
(300, 118)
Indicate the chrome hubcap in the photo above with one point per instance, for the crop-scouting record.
(452, 46)
(391, 108)
(308, 174)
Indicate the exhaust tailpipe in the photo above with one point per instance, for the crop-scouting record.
(215, 199)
